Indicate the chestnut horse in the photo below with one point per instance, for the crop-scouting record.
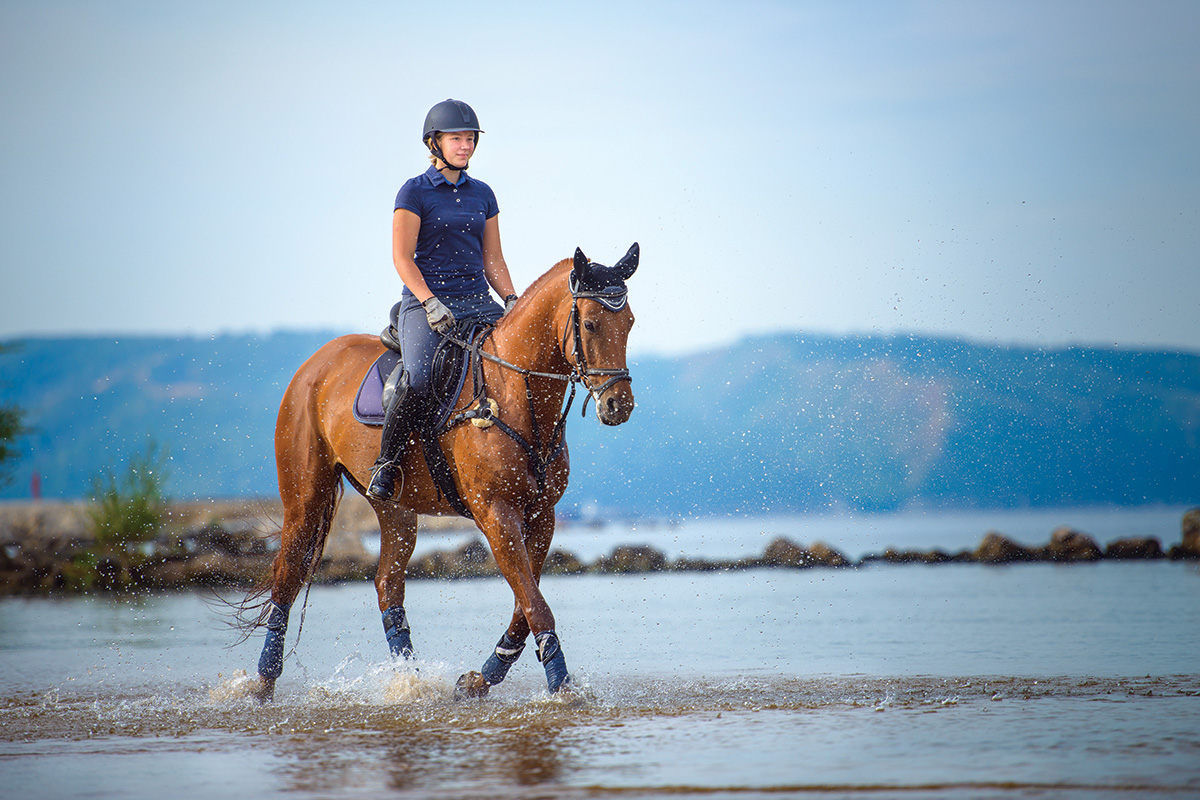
(571, 326)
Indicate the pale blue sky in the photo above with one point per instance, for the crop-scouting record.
(1007, 171)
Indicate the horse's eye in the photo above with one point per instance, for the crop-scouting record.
(591, 326)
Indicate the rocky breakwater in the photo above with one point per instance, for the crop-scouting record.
(1066, 545)
(48, 549)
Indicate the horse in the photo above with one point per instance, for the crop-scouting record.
(509, 469)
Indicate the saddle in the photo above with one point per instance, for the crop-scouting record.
(449, 375)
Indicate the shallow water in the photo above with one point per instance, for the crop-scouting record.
(953, 681)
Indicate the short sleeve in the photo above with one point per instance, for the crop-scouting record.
(409, 198)
(493, 206)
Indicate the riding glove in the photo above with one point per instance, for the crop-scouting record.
(441, 319)
(509, 302)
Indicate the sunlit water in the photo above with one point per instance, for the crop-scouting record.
(954, 681)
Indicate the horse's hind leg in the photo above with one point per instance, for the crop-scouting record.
(397, 537)
(308, 509)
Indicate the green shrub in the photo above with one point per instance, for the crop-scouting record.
(10, 429)
(130, 508)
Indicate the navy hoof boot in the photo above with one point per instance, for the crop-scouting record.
(553, 661)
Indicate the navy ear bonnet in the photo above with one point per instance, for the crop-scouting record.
(605, 285)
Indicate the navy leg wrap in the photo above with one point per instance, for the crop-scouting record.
(555, 664)
(504, 656)
(395, 626)
(270, 663)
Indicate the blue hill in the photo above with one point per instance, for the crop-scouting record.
(771, 424)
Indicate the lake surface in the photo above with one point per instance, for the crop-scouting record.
(1031, 680)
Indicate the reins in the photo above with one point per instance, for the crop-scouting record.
(484, 411)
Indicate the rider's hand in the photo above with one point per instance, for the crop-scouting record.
(441, 319)
(509, 302)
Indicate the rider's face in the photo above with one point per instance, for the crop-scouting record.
(457, 147)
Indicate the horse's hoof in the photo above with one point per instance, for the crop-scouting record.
(265, 691)
(471, 685)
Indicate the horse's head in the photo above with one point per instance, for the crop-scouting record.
(599, 327)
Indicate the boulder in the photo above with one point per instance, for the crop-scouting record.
(1134, 548)
(783, 552)
(996, 548)
(1068, 544)
(472, 560)
(632, 559)
(894, 556)
(560, 562)
(1190, 546)
(825, 556)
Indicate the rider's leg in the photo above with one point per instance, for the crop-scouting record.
(409, 405)
(400, 418)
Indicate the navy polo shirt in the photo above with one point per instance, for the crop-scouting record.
(450, 243)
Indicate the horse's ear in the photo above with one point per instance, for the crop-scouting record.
(628, 263)
(581, 265)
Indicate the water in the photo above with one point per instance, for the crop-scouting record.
(955, 681)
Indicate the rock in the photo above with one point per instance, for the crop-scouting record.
(632, 559)
(342, 570)
(894, 556)
(221, 569)
(560, 562)
(472, 560)
(1134, 548)
(825, 556)
(996, 548)
(783, 552)
(1190, 546)
(1068, 544)
(230, 540)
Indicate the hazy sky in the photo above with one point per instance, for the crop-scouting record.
(1009, 171)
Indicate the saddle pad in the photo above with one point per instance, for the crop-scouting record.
(368, 403)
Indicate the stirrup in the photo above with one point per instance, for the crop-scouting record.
(383, 480)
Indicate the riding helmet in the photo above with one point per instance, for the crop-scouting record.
(448, 116)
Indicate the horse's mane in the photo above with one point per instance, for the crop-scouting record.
(549, 276)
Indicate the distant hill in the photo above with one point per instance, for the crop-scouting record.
(771, 424)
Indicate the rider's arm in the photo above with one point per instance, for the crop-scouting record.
(405, 227)
(494, 266)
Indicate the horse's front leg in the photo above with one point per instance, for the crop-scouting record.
(397, 538)
(537, 531)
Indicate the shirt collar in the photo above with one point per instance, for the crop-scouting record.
(437, 178)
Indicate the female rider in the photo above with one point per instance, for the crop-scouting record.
(446, 248)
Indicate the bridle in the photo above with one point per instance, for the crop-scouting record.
(613, 298)
(482, 411)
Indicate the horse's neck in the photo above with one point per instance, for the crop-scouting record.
(531, 337)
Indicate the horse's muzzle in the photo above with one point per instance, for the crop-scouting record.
(615, 406)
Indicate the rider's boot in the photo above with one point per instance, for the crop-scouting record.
(403, 414)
